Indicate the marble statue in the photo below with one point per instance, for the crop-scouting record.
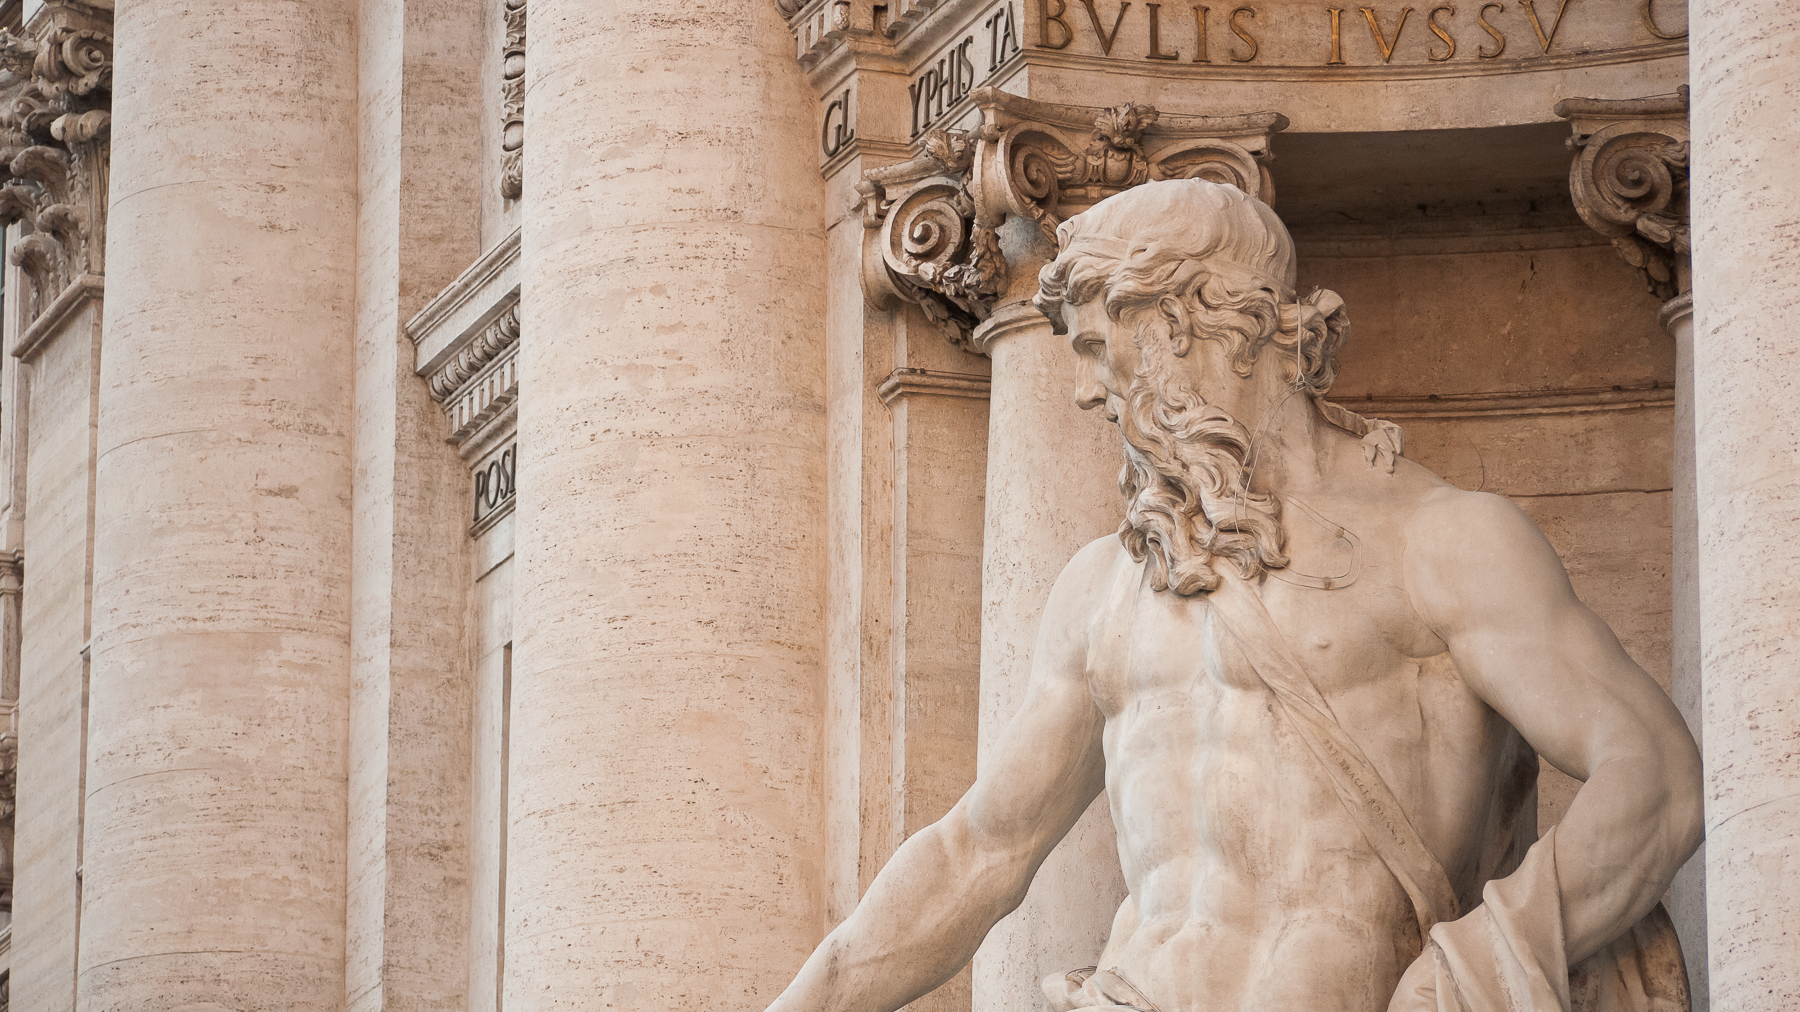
(1315, 680)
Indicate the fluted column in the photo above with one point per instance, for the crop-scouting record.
(665, 831)
(214, 847)
(1052, 486)
(1747, 468)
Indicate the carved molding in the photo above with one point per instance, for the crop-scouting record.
(1629, 181)
(932, 221)
(512, 102)
(55, 142)
(495, 338)
(930, 382)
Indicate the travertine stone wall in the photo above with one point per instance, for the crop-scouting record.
(215, 852)
(665, 782)
(1747, 421)
(410, 736)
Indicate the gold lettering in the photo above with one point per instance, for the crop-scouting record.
(1045, 17)
(1481, 19)
(1106, 41)
(1650, 22)
(1531, 12)
(1239, 31)
(1156, 52)
(1437, 30)
(1386, 47)
(1337, 38)
(1200, 54)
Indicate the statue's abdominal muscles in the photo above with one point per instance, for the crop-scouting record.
(1251, 888)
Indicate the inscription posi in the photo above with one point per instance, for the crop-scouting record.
(494, 484)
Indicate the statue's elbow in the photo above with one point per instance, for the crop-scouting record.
(1685, 805)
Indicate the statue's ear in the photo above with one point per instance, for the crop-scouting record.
(1176, 316)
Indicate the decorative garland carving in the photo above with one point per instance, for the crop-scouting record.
(1629, 181)
(933, 221)
(512, 102)
(55, 142)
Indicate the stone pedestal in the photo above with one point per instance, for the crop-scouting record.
(213, 847)
(1747, 476)
(665, 776)
(1051, 489)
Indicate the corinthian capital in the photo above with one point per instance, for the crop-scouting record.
(55, 125)
(933, 220)
(1629, 180)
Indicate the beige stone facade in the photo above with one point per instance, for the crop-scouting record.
(524, 505)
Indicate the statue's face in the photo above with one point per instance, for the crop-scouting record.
(1106, 353)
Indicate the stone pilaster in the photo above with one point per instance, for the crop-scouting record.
(1747, 478)
(960, 231)
(1629, 181)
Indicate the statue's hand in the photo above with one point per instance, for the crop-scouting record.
(1384, 444)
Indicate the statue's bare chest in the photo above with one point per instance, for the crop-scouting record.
(1351, 641)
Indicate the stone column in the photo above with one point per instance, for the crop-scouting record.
(1629, 181)
(665, 831)
(1747, 476)
(214, 868)
(1052, 487)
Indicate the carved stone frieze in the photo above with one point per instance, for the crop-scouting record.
(1629, 180)
(933, 221)
(512, 102)
(55, 119)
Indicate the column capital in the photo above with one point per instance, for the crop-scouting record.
(55, 126)
(1629, 180)
(933, 220)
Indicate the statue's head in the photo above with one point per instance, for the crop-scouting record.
(1177, 295)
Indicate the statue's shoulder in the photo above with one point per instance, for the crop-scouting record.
(1454, 536)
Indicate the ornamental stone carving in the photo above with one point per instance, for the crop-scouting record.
(1629, 180)
(56, 89)
(512, 102)
(933, 221)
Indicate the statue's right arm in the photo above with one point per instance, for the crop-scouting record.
(930, 907)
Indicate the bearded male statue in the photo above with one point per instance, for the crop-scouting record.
(1314, 678)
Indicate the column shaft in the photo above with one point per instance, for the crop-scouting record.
(215, 808)
(1052, 486)
(665, 839)
(1746, 250)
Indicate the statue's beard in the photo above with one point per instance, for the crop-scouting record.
(1188, 501)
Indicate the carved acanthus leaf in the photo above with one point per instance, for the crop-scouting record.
(55, 120)
(1629, 181)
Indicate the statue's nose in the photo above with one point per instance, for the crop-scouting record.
(1089, 391)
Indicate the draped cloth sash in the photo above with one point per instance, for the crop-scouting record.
(1366, 797)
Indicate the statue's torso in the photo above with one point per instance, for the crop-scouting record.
(1251, 888)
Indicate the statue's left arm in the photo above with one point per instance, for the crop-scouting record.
(1484, 578)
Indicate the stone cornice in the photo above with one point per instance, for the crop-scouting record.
(927, 382)
(932, 221)
(467, 305)
(49, 322)
(1629, 180)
